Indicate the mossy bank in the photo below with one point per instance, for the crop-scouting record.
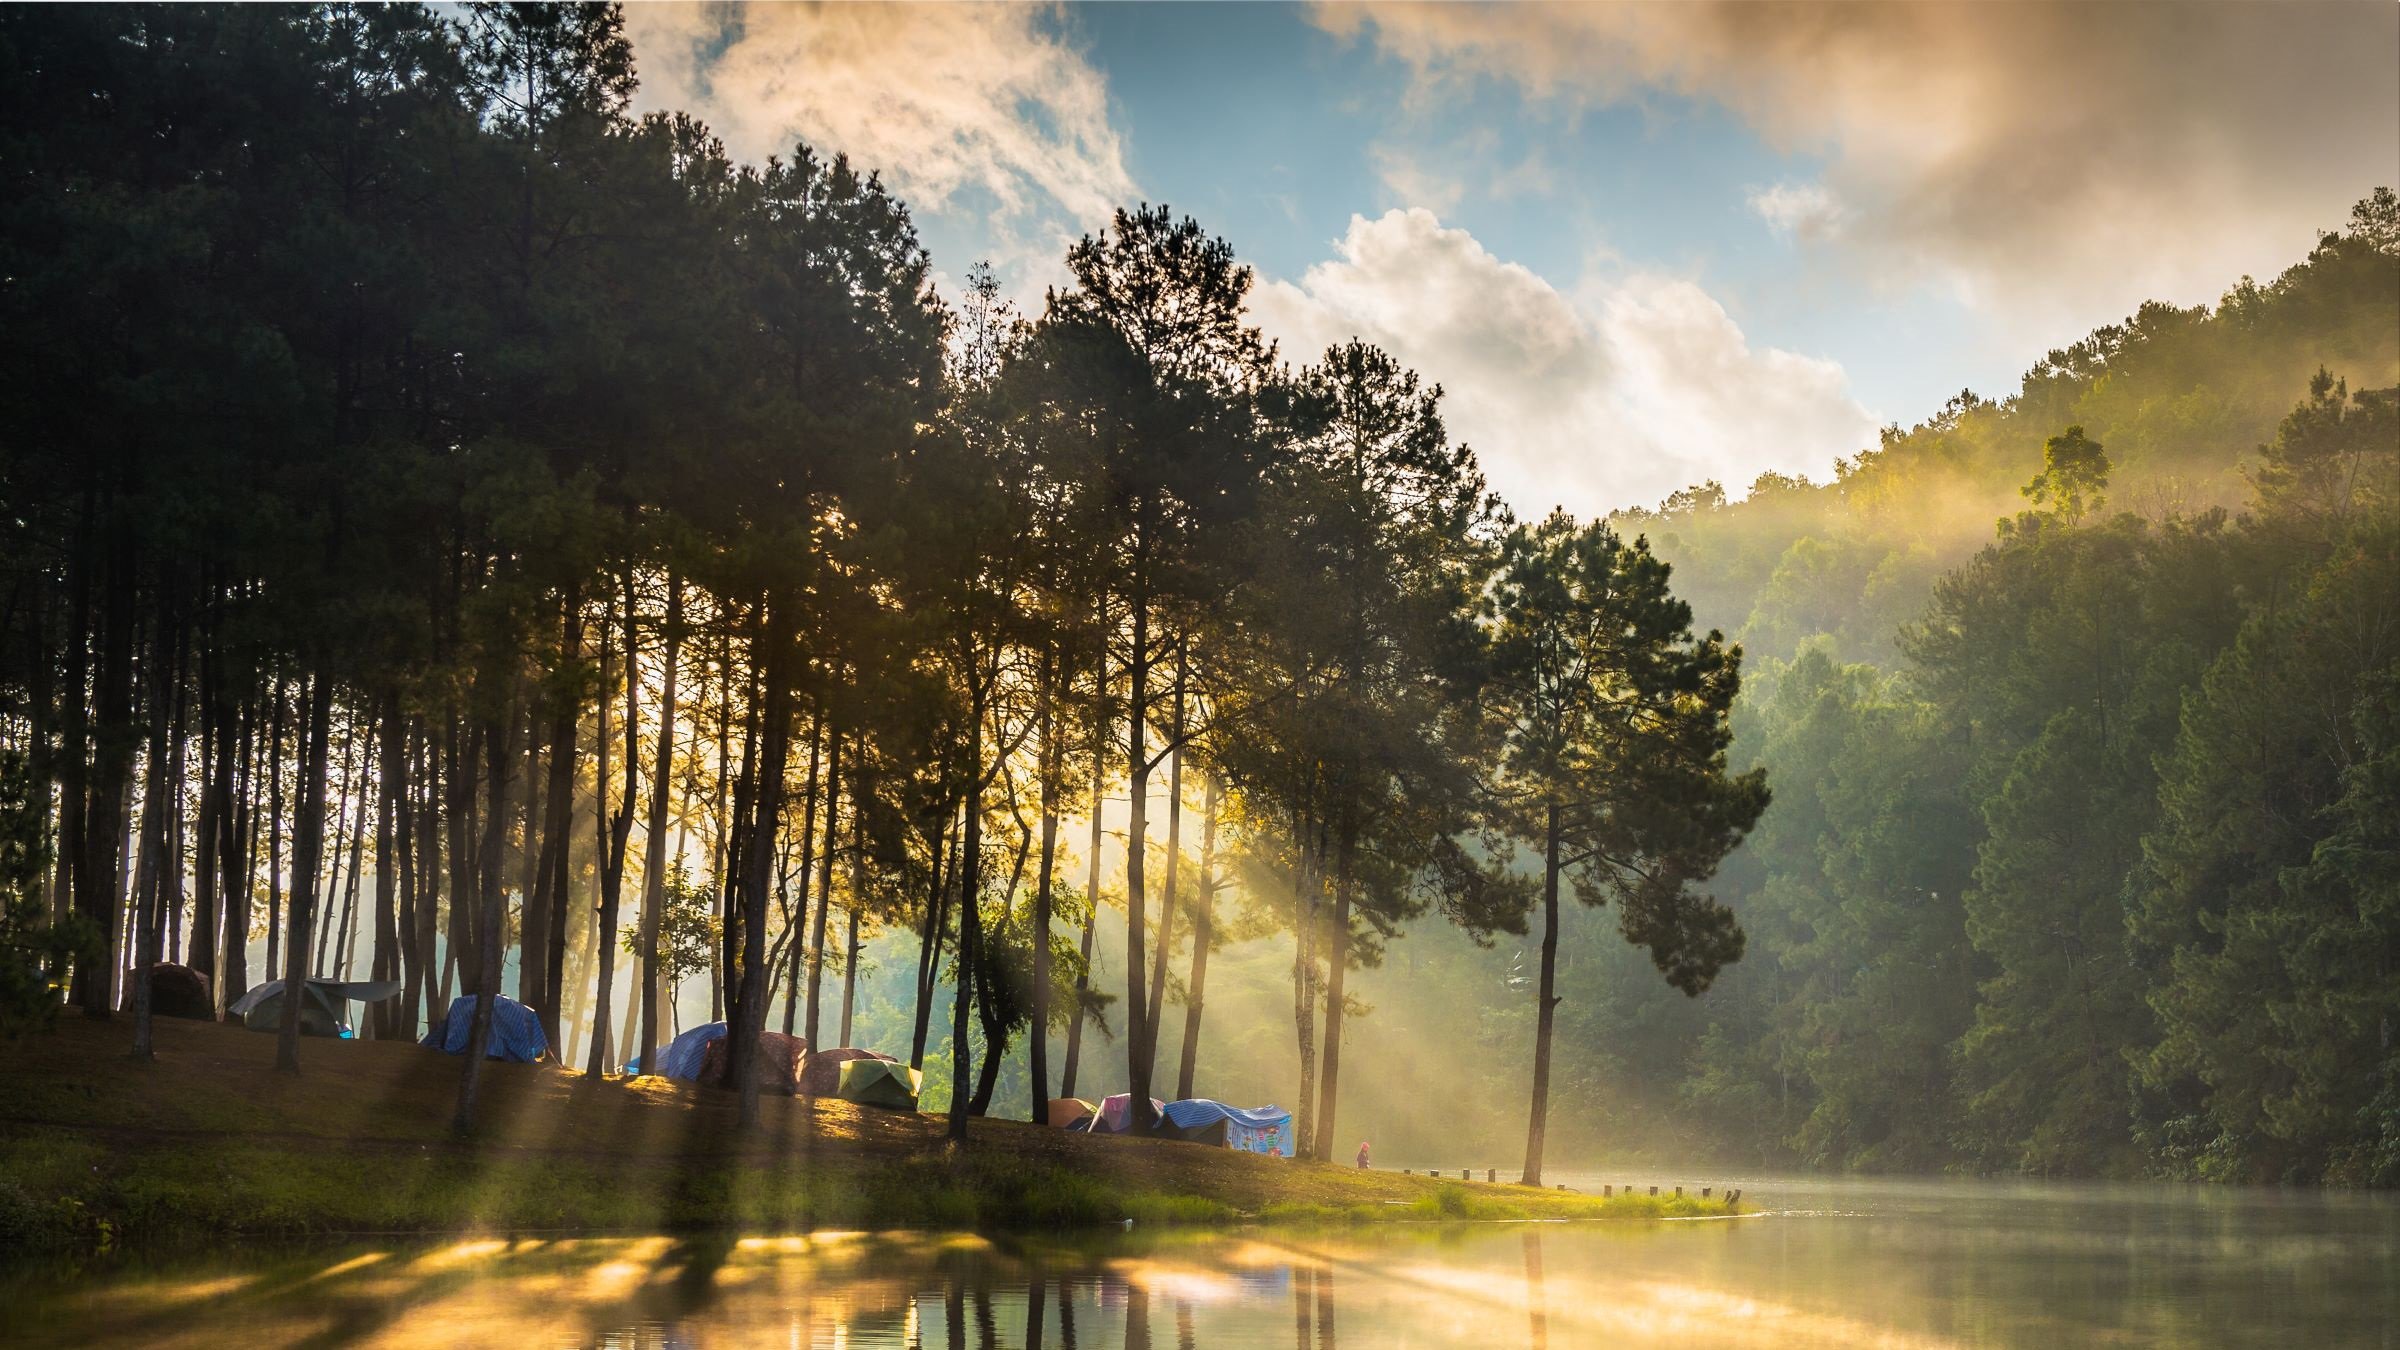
(209, 1140)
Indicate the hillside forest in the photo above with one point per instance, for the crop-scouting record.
(456, 531)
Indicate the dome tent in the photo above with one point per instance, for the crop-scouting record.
(516, 1031)
(682, 1056)
(880, 1082)
(821, 1071)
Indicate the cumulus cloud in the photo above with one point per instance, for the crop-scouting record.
(940, 99)
(2041, 158)
(1807, 210)
(1632, 386)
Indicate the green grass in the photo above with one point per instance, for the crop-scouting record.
(209, 1140)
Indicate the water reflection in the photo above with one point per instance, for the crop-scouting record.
(1924, 1265)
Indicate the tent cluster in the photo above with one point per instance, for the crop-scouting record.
(788, 1066)
(1197, 1120)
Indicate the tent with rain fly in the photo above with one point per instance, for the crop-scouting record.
(180, 991)
(880, 1082)
(681, 1057)
(1265, 1129)
(1069, 1113)
(778, 1062)
(1115, 1115)
(516, 1031)
(325, 1010)
(821, 1071)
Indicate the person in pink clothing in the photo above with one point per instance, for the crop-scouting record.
(1362, 1155)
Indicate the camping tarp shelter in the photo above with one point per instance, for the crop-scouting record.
(1065, 1113)
(1116, 1113)
(778, 1062)
(1265, 1129)
(880, 1082)
(681, 1057)
(821, 1071)
(516, 1031)
(327, 1012)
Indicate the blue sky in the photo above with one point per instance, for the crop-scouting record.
(1637, 245)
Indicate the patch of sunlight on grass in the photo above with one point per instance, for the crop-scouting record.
(355, 1263)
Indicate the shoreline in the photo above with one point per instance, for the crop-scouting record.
(209, 1142)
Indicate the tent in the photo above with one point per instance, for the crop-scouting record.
(326, 1013)
(681, 1057)
(180, 991)
(1115, 1115)
(778, 1062)
(516, 1031)
(880, 1082)
(1067, 1113)
(821, 1072)
(1266, 1129)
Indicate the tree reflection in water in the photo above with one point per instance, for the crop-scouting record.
(1537, 1299)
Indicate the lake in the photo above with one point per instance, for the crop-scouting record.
(1819, 1263)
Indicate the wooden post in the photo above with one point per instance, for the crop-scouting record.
(1491, 1174)
(1679, 1192)
(1608, 1192)
(1654, 1190)
(1705, 1190)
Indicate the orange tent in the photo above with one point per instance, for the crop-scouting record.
(1065, 1111)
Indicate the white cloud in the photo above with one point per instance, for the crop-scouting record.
(1635, 385)
(1412, 184)
(1807, 210)
(940, 99)
(2051, 162)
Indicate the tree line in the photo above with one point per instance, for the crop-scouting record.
(451, 516)
(2082, 858)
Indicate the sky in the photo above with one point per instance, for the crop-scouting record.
(1639, 246)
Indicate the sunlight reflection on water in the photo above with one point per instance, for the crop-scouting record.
(1902, 1264)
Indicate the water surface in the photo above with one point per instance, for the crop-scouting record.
(1887, 1263)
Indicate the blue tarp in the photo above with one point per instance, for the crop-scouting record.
(1199, 1111)
(1264, 1129)
(682, 1056)
(516, 1031)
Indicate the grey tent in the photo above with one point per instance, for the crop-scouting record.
(326, 1012)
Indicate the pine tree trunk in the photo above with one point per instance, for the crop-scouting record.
(1539, 1117)
(808, 835)
(1204, 907)
(1137, 844)
(970, 923)
(614, 830)
(558, 832)
(655, 861)
(391, 851)
(1037, 1045)
(308, 847)
(824, 879)
(1337, 960)
(1166, 907)
(491, 903)
(97, 880)
(758, 859)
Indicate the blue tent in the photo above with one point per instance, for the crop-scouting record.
(682, 1056)
(516, 1031)
(1264, 1129)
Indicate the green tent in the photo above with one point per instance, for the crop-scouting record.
(880, 1082)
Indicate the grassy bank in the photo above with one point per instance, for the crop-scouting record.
(209, 1139)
